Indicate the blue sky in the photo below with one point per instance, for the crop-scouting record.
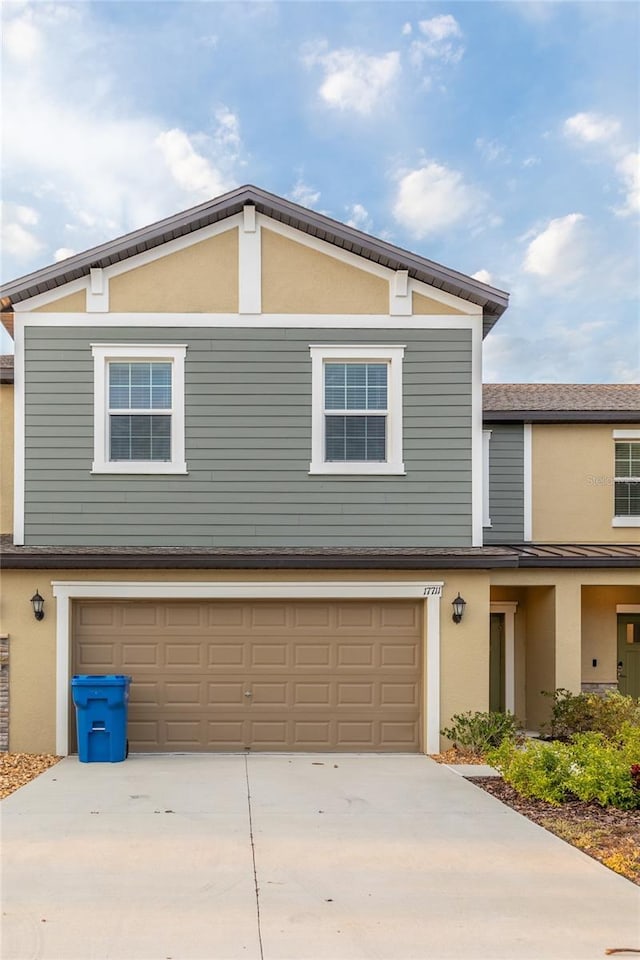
(499, 139)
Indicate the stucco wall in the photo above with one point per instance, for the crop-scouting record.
(426, 306)
(6, 458)
(202, 278)
(464, 647)
(296, 279)
(69, 303)
(572, 481)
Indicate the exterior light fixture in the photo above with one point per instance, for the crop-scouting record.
(38, 606)
(458, 608)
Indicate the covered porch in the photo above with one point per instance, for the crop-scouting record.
(573, 628)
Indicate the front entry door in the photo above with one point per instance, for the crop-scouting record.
(496, 663)
(629, 654)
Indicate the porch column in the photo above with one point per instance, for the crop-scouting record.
(568, 641)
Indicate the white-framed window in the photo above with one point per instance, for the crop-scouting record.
(626, 481)
(486, 447)
(138, 408)
(357, 409)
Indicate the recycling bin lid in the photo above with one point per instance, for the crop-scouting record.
(98, 678)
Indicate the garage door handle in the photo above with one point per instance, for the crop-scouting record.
(247, 693)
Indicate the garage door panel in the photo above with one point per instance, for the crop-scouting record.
(362, 694)
(144, 733)
(140, 655)
(228, 655)
(398, 655)
(146, 692)
(183, 734)
(186, 615)
(183, 654)
(140, 616)
(322, 675)
(98, 657)
(355, 734)
(225, 692)
(269, 654)
(312, 694)
(312, 654)
(355, 655)
(311, 616)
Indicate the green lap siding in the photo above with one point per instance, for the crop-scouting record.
(506, 483)
(248, 446)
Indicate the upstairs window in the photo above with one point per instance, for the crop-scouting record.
(352, 431)
(627, 479)
(357, 410)
(139, 409)
(135, 434)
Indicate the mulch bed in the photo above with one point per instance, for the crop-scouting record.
(609, 835)
(16, 769)
(456, 756)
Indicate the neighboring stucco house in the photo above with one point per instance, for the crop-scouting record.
(250, 470)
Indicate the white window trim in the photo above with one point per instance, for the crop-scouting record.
(393, 355)
(621, 436)
(486, 446)
(103, 353)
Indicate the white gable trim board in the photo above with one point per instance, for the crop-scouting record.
(66, 591)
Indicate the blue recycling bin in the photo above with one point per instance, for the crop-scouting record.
(101, 704)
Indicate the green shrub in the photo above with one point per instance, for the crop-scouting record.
(590, 768)
(586, 712)
(475, 733)
(537, 769)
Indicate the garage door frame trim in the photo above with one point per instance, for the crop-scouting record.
(430, 591)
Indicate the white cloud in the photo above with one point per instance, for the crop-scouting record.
(604, 133)
(559, 252)
(22, 40)
(483, 276)
(491, 150)
(24, 215)
(189, 169)
(17, 240)
(406, 29)
(442, 41)
(359, 217)
(353, 80)
(228, 133)
(434, 197)
(112, 169)
(305, 195)
(628, 169)
(62, 253)
(591, 127)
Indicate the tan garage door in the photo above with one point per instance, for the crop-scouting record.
(263, 675)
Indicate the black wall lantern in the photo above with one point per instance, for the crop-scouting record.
(38, 606)
(458, 608)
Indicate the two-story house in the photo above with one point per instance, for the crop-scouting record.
(250, 469)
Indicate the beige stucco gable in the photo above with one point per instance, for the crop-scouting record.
(202, 278)
(297, 279)
(425, 306)
(261, 267)
(70, 303)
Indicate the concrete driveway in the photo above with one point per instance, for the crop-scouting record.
(289, 857)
